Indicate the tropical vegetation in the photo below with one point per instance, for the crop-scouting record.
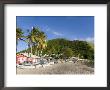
(56, 48)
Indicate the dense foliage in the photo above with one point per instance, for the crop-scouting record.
(57, 48)
(62, 48)
(36, 40)
(66, 48)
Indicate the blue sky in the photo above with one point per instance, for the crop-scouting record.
(69, 27)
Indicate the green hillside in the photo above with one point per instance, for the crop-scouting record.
(63, 48)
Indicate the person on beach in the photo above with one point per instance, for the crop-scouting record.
(74, 60)
(42, 62)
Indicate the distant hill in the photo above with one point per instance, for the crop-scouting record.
(59, 46)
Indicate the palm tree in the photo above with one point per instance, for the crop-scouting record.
(32, 38)
(29, 42)
(36, 39)
(19, 35)
(42, 41)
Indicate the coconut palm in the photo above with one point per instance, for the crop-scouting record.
(29, 42)
(42, 41)
(36, 40)
(32, 38)
(19, 36)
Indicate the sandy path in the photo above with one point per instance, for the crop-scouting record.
(62, 68)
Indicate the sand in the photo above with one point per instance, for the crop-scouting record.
(60, 68)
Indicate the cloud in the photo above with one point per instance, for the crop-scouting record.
(48, 29)
(88, 39)
(57, 33)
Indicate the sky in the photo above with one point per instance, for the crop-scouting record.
(68, 27)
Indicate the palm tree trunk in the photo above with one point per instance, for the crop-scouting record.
(41, 52)
(16, 45)
(31, 50)
(16, 49)
(37, 52)
(28, 49)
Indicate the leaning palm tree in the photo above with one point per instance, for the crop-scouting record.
(36, 39)
(19, 35)
(32, 38)
(29, 42)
